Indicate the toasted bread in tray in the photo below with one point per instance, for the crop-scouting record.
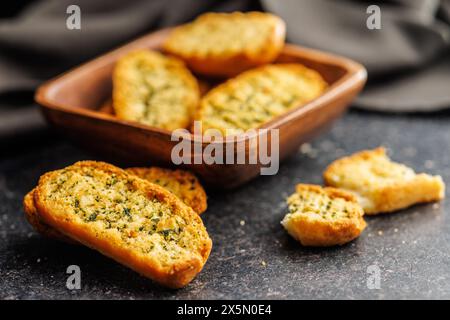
(257, 96)
(133, 221)
(225, 44)
(155, 90)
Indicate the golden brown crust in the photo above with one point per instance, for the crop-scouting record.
(257, 96)
(323, 216)
(36, 222)
(155, 90)
(226, 44)
(116, 243)
(181, 183)
(380, 184)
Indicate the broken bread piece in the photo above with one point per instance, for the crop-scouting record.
(181, 183)
(380, 184)
(225, 44)
(155, 90)
(323, 216)
(133, 221)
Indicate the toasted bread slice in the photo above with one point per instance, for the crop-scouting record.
(155, 90)
(133, 221)
(380, 184)
(257, 96)
(323, 216)
(181, 183)
(37, 223)
(225, 44)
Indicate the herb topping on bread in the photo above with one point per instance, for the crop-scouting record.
(133, 221)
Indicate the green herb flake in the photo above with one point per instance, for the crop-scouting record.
(127, 212)
(92, 217)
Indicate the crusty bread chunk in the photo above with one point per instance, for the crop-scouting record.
(323, 216)
(181, 183)
(133, 221)
(225, 44)
(155, 90)
(257, 96)
(380, 184)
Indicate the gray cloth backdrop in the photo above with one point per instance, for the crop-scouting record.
(408, 59)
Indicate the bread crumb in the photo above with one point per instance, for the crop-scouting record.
(305, 148)
(395, 230)
(242, 222)
(263, 263)
(380, 232)
(436, 206)
(429, 164)
(308, 150)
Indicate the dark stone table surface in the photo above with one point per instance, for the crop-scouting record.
(252, 256)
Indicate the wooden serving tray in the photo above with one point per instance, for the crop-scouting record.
(74, 103)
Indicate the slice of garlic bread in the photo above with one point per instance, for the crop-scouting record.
(225, 44)
(380, 184)
(155, 90)
(257, 96)
(323, 216)
(37, 223)
(181, 183)
(133, 221)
